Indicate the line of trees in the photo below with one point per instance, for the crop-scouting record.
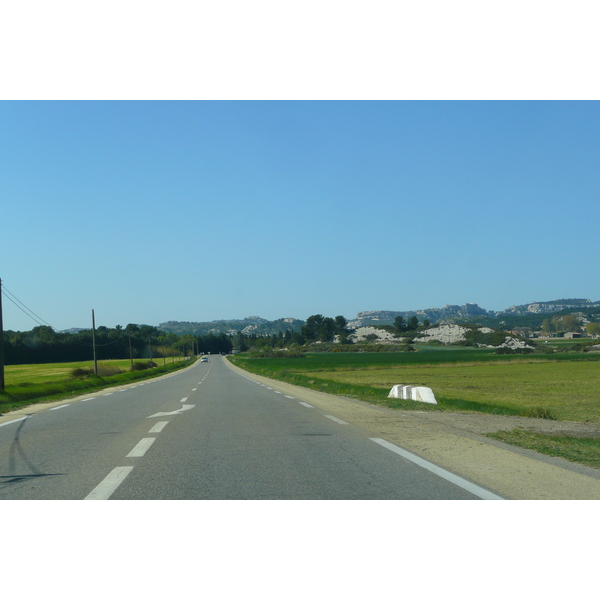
(401, 326)
(44, 345)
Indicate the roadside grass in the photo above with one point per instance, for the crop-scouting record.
(33, 384)
(462, 379)
(582, 450)
(15, 375)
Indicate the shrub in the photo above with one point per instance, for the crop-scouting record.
(80, 372)
(142, 366)
(278, 354)
(538, 413)
(105, 370)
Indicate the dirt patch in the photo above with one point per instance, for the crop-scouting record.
(482, 424)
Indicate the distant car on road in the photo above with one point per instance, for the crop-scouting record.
(204, 359)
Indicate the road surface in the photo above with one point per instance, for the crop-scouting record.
(208, 432)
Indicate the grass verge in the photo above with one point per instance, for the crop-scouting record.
(582, 450)
(541, 388)
(458, 387)
(25, 394)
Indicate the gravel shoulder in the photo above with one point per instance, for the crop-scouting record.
(456, 442)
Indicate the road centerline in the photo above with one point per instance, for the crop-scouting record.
(158, 427)
(105, 489)
(141, 447)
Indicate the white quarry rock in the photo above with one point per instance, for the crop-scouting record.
(514, 343)
(447, 334)
(382, 336)
(413, 392)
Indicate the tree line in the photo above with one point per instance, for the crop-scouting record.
(44, 345)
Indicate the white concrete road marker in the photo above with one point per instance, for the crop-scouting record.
(105, 489)
(425, 464)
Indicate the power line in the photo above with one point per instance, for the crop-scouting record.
(9, 298)
(24, 308)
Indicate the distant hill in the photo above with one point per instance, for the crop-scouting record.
(248, 325)
(553, 306)
(531, 314)
(433, 315)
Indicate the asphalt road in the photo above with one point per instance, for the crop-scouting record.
(208, 432)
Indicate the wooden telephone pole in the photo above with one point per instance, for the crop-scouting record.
(94, 343)
(1, 343)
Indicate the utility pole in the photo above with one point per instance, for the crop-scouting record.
(94, 342)
(1, 343)
(130, 353)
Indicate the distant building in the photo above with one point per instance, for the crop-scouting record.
(571, 335)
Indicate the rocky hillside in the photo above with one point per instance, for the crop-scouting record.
(553, 306)
(433, 315)
(450, 313)
(248, 325)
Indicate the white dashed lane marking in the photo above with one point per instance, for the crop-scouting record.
(105, 489)
(159, 427)
(141, 448)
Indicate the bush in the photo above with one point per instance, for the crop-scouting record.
(80, 372)
(142, 366)
(278, 354)
(105, 370)
(538, 413)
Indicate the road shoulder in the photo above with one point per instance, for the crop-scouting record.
(457, 444)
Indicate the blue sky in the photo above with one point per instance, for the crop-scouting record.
(150, 211)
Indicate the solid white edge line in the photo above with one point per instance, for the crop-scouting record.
(340, 421)
(105, 489)
(141, 448)
(13, 421)
(159, 427)
(425, 464)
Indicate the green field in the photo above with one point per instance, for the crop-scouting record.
(562, 386)
(29, 384)
(16, 375)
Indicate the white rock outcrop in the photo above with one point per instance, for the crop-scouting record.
(383, 336)
(447, 334)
